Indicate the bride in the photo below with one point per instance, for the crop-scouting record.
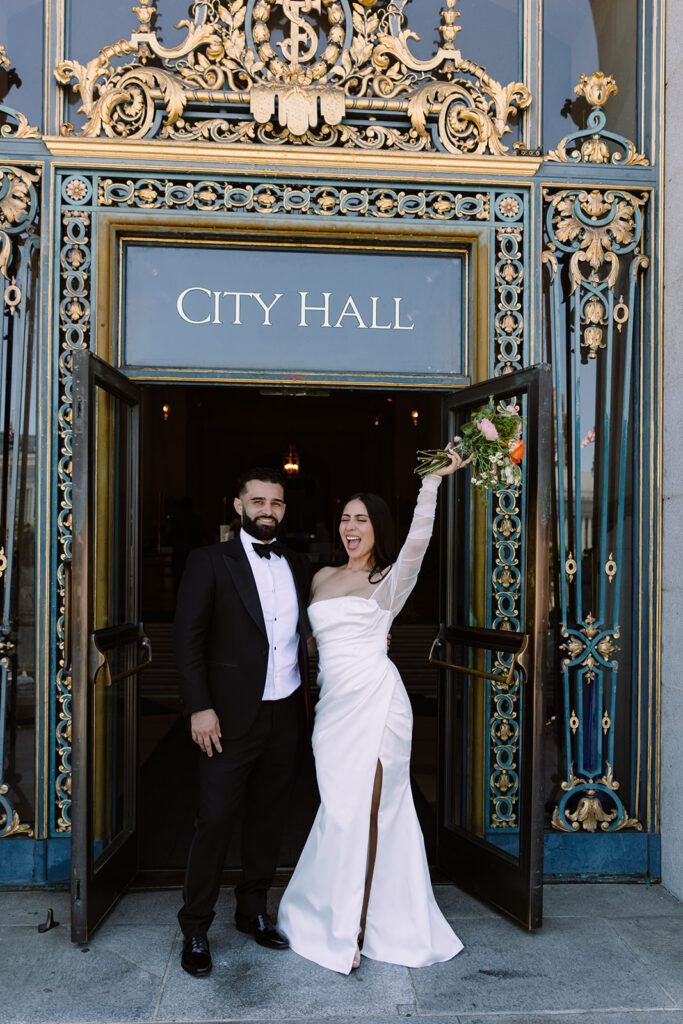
(362, 879)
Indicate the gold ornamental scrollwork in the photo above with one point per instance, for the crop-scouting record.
(590, 810)
(18, 206)
(571, 567)
(594, 145)
(10, 823)
(597, 228)
(339, 69)
(610, 567)
(589, 647)
(17, 126)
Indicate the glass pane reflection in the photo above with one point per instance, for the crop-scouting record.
(482, 784)
(17, 544)
(497, 49)
(591, 403)
(597, 37)
(21, 33)
(113, 733)
(112, 581)
(483, 715)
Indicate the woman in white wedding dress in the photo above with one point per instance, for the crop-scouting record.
(362, 878)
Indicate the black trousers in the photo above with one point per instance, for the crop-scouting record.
(256, 773)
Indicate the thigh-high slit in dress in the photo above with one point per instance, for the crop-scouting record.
(364, 717)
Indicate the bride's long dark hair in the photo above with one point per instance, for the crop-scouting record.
(384, 551)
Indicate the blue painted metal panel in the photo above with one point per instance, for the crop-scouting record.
(624, 856)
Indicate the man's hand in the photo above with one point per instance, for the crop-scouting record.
(206, 730)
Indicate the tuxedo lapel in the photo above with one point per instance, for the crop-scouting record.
(235, 558)
(304, 628)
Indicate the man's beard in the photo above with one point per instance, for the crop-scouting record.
(262, 531)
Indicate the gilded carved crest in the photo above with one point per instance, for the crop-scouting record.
(315, 72)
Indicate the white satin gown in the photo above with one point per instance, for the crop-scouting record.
(364, 715)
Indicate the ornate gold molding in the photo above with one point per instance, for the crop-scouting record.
(10, 823)
(598, 227)
(590, 810)
(20, 129)
(18, 201)
(592, 146)
(401, 166)
(344, 76)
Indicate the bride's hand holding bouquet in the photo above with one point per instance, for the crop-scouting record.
(491, 441)
(454, 463)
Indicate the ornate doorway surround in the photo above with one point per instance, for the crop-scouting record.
(315, 117)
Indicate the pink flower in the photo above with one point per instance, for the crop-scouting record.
(488, 430)
(511, 409)
(589, 438)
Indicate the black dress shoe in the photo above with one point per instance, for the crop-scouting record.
(196, 958)
(263, 930)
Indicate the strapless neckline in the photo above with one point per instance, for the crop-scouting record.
(341, 597)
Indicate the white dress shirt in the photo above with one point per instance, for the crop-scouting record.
(277, 594)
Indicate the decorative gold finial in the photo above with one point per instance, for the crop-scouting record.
(448, 28)
(597, 88)
(594, 144)
(5, 62)
(145, 13)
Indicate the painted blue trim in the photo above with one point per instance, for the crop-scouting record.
(623, 856)
(30, 863)
(592, 857)
(376, 381)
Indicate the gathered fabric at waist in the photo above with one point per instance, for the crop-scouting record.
(358, 652)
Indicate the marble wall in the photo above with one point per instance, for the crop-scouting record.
(672, 569)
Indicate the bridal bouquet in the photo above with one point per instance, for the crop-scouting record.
(493, 439)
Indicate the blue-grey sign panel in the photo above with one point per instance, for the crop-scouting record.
(218, 307)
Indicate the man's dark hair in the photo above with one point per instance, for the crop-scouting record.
(384, 553)
(263, 473)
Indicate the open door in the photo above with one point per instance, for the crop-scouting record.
(491, 652)
(107, 640)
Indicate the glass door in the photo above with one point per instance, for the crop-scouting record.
(109, 647)
(491, 652)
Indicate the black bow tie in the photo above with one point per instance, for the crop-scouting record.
(266, 550)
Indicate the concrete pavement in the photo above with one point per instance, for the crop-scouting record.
(607, 954)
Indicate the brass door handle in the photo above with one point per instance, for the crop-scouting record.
(496, 677)
(110, 679)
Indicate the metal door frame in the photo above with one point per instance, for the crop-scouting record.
(474, 863)
(90, 903)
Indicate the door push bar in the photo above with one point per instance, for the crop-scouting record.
(497, 677)
(103, 662)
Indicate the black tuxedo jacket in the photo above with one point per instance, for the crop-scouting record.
(221, 645)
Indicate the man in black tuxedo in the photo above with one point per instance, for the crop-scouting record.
(240, 639)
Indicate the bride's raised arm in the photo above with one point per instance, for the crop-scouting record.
(395, 589)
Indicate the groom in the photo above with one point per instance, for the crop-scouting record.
(240, 641)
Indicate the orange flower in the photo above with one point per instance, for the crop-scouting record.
(516, 451)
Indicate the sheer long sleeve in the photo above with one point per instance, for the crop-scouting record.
(393, 592)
